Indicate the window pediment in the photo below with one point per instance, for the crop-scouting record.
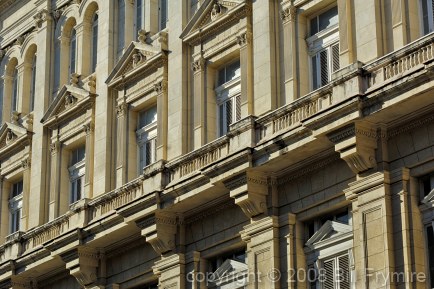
(70, 101)
(429, 199)
(13, 136)
(138, 58)
(229, 272)
(330, 233)
(212, 16)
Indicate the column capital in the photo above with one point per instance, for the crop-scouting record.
(121, 109)
(288, 13)
(244, 38)
(160, 87)
(26, 163)
(40, 17)
(55, 147)
(249, 191)
(198, 65)
(88, 128)
(356, 144)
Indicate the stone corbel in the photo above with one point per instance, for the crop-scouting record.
(356, 144)
(83, 263)
(159, 231)
(250, 192)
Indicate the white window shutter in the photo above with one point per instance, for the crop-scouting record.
(329, 274)
(335, 57)
(344, 272)
(324, 67)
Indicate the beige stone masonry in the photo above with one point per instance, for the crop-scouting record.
(170, 271)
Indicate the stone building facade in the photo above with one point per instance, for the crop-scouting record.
(216, 144)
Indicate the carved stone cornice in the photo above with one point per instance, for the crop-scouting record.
(198, 65)
(159, 231)
(249, 191)
(356, 144)
(288, 14)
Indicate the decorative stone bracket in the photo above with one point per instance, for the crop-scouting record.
(356, 144)
(82, 263)
(250, 193)
(159, 231)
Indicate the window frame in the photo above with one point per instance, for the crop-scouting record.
(77, 171)
(146, 134)
(322, 41)
(15, 208)
(227, 92)
(430, 19)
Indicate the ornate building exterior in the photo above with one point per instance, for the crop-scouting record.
(216, 144)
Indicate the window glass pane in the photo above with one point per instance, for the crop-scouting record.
(56, 79)
(147, 117)
(163, 13)
(139, 16)
(72, 48)
(15, 91)
(33, 84)
(233, 70)
(328, 18)
(17, 189)
(314, 26)
(94, 41)
(78, 155)
(425, 16)
(121, 27)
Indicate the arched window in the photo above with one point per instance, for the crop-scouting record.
(15, 90)
(139, 22)
(94, 41)
(121, 28)
(33, 83)
(72, 52)
(56, 72)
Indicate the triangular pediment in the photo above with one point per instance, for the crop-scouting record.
(329, 232)
(70, 99)
(137, 57)
(10, 134)
(211, 14)
(429, 198)
(229, 270)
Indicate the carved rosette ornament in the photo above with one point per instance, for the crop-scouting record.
(198, 65)
(288, 13)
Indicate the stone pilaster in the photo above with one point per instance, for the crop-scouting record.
(346, 43)
(289, 17)
(89, 146)
(56, 151)
(244, 40)
(250, 192)
(199, 103)
(162, 106)
(121, 153)
(4, 211)
(356, 144)
(83, 264)
(170, 271)
(263, 258)
(26, 165)
(372, 225)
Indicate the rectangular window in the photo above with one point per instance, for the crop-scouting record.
(121, 28)
(15, 206)
(77, 172)
(430, 245)
(324, 47)
(147, 137)
(162, 14)
(139, 22)
(426, 8)
(229, 72)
